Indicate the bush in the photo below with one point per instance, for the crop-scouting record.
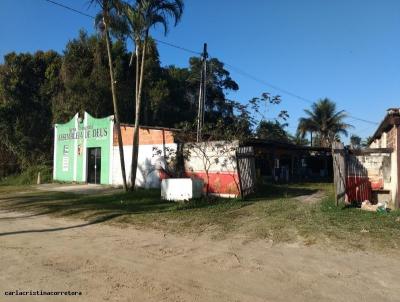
(29, 176)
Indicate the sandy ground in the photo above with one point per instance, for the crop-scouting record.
(108, 263)
(76, 188)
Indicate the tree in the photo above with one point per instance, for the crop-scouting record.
(28, 85)
(325, 121)
(355, 141)
(366, 142)
(272, 130)
(85, 78)
(181, 93)
(107, 18)
(298, 140)
(142, 16)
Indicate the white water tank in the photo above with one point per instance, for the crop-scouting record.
(180, 189)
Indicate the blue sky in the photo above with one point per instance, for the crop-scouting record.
(347, 50)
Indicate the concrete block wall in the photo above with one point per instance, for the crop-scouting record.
(150, 162)
(378, 167)
(150, 165)
(389, 164)
(215, 163)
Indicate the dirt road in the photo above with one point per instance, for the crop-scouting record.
(108, 263)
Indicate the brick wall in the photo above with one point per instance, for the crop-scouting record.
(147, 136)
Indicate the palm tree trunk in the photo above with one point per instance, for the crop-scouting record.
(115, 105)
(139, 84)
(137, 43)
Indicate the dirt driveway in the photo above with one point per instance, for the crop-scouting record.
(108, 263)
(76, 188)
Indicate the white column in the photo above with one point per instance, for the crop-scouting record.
(55, 153)
(111, 155)
(75, 157)
(84, 164)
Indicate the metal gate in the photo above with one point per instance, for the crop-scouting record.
(246, 170)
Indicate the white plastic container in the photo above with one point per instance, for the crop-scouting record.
(180, 189)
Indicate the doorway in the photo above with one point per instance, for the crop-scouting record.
(94, 165)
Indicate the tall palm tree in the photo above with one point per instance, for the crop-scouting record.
(142, 15)
(109, 19)
(324, 121)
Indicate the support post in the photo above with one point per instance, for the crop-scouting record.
(202, 93)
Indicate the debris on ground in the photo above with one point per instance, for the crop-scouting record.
(380, 207)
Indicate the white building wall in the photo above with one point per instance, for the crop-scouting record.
(214, 156)
(384, 140)
(393, 176)
(149, 162)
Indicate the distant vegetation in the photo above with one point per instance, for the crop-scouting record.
(325, 122)
(40, 89)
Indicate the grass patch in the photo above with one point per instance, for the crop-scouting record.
(28, 176)
(276, 212)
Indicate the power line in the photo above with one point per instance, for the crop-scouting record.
(246, 74)
(238, 70)
(178, 47)
(362, 120)
(70, 8)
(92, 17)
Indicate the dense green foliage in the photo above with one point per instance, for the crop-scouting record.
(355, 141)
(28, 87)
(29, 176)
(272, 131)
(325, 122)
(40, 89)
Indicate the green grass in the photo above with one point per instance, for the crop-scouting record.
(274, 213)
(28, 176)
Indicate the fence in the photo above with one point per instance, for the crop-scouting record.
(246, 170)
(358, 186)
(351, 177)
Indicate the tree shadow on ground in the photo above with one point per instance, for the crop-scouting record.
(95, 221)
(66, 204)
(267, 192)
(145, 202)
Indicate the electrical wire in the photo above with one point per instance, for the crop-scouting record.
(70, 8)
(238, 70)
(248, 75)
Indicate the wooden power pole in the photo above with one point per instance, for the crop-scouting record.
(202, 92)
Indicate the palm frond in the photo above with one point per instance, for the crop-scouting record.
(325, 121)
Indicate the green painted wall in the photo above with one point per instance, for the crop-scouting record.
(72, 140)
(64, 151)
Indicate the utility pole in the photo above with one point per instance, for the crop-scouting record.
(202, 92)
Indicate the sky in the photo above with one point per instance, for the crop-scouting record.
(346, 50)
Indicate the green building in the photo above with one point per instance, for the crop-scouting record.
(83, 150)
